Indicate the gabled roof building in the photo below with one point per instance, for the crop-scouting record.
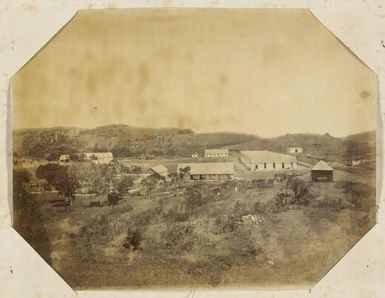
(206, 170)
(268, 161)
(322, 172)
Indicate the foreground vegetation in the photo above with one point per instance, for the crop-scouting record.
(187, 234)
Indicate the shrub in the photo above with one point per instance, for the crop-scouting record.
(225, 224)
(133, 240)
(240, 209)
(283, 199)
(333, 203)
(259, 207)
(113, 198)
(260, 183)
(194, 199)
(124, 185)
(358, 194)
(178, 234)
(20, 189)
(145, 217)
(301, 192)
(251, 249)
(175, 216)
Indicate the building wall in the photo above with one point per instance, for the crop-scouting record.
(216, 155)
(260, 166)
(322, 176)
(294, 150)
(211, 177)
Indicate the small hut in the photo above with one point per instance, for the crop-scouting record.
(160, 171)
(322, 172)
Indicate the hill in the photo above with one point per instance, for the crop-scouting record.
(122, 140)
(129, 141)
(368, 136)
(317, 146)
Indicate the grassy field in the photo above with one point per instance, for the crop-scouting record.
(243, 232)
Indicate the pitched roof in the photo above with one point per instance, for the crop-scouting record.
(322, 166)
(198, 168)
(160, 169)
(221, 151)
(268, 157)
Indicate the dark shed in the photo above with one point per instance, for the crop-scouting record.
(322, 172)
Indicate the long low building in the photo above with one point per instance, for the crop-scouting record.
(206, 170)
(268, 161)
(216, 153)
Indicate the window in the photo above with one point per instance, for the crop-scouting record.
(256, 167)
(264, 165)
(283, 165)
(291, 164)
(273, 165)
(296, 150)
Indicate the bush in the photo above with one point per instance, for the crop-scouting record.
(240, 209)
(194, 199)
(145, 217)
(175, 216)
(178, 234)
(301, 192)
(358, 194)
(251, 249)
(133, 240)
(124, 185)
(283, 199)
(262, 183)
(333, 203)
(259, 207)
(225, 224)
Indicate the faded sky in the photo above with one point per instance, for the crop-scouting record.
(265, 72)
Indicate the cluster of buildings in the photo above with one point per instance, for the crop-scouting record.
(95, 157)
(214, 167)
(252, 161)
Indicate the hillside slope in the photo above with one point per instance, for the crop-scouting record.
(122, 140)
(128, 141)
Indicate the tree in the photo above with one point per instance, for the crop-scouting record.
(184, 171)
(149, 183)
(27, 218)
(20, 181)
(301, 193)
(133, 239)
(124, 185)
(60, 178)
(47, 171)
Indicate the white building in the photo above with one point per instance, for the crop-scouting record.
(268, 161)
(206, 170)
(294, 150)
(216, 153)
(99, 157)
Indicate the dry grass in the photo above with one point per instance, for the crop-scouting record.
(195, 238)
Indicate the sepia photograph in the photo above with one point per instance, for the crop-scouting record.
(194, 148)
